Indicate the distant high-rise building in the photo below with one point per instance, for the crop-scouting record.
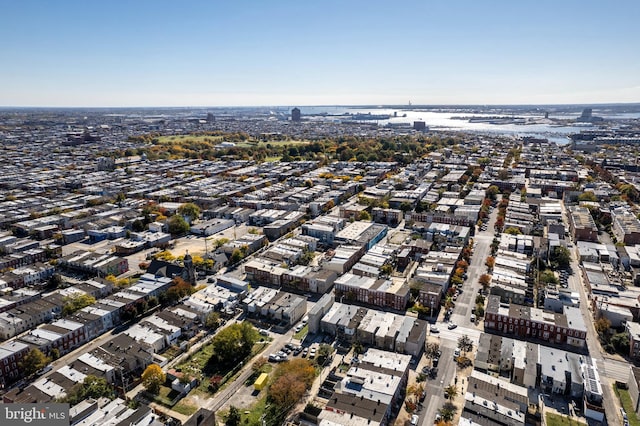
(295, 114)
(210, 118)
(588, 117)
(420, 126)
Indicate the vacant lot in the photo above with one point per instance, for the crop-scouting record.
(627, 404)
(558, 420)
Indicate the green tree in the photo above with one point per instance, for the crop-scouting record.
(152, 378)
(233, 343)
(465, 344)
(189, 211)
(357, 347)
(76, 302)
(602, 325)
(451, 391)
(364, 216)
(324, 351)
(406, 206)
(447, 412)
(91, 387)
(512, 230)
(233, 418)
(561, 256)
(548, 277)
(620, 342)
(213, 320)
(177, 225)
(587, 196)
(54, 354)
(34, 360)
(307, 257)
(236, 256)
(492, 192)
(386, 269)
(220, 242)
(432, 350)
(54, 282)
(96, 387)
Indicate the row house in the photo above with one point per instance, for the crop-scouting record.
(309, 279)
(438, 217)
(11, 354)
(361, 394)
(94, 263)
(127, 355)
(581, 225)
(343, 258)
(34, 274)
(264, 272)
(526, 322)
(27, 316)
(626, 226)
(24, 258)
(63, 335)
(371, 291)
(391, 217)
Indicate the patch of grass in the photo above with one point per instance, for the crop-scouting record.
(199, 359)
(255, 412)
(303, 332)
(258, 347)
(165, 396)
(558, 420)
(272, 159)
(186, 409)
(627, 404)
(172, 352)
(288, 143)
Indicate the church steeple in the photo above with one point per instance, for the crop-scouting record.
(189, 269)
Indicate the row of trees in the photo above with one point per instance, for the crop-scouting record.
(403, 149)
(231, 345)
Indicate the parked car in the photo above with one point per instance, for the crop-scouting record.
(452, 325)
(414, 419)
(434, 330)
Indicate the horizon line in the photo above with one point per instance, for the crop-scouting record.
(411, 106)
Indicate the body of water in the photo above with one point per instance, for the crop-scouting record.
(556, 128)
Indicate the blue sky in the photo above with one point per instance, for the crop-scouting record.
(214, 53)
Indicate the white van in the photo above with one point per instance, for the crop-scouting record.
(473, 318)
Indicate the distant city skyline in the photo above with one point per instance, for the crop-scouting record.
(286, 53)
